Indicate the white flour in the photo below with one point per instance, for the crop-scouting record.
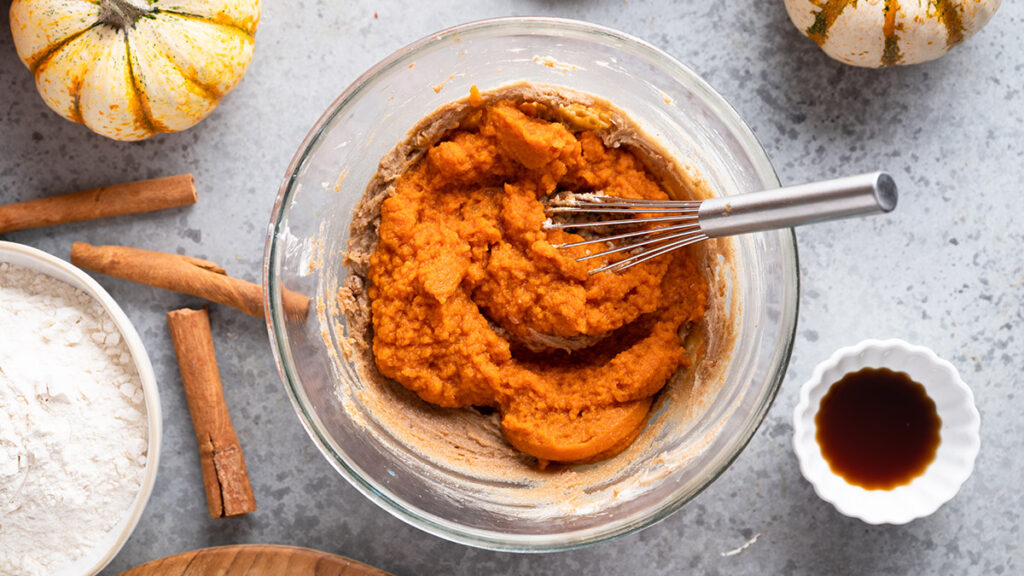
(73, 432)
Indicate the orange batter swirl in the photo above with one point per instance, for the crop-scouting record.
(466, 286)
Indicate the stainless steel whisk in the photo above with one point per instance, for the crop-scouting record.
(681, 223)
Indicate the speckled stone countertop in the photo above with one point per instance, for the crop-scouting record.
(946, 270)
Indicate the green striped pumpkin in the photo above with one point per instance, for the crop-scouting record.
(878, 33)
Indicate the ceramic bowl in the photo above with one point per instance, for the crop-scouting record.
(95, 560)
(959, 433)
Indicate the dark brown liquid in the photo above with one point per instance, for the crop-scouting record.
(878, 429)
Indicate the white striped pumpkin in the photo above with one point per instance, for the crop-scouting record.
(129, 69)
(877, 33)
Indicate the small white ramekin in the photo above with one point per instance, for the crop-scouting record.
(959, 433)
(104, 551)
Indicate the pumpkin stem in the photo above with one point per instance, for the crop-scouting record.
(122, 14)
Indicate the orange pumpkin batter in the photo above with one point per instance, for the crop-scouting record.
(465, 283)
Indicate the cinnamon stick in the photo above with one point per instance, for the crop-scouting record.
(116, 200)
(184, 274)
(225, 478)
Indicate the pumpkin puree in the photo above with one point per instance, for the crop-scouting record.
(467, 287)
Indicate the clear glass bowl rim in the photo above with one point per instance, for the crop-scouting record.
(274, 313)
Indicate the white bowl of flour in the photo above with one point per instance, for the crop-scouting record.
(80, 423)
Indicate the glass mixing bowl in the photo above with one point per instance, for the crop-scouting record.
(310, 227)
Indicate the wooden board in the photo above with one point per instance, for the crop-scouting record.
(254, 560)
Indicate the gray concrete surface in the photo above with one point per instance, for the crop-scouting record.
(946, 270)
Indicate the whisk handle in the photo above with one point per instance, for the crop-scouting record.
(795, 205)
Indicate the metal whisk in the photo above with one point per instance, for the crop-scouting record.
(681, 223)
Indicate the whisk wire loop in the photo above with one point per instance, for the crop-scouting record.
(688, 226)
(694, 234)
(648, 255)
(627, 221)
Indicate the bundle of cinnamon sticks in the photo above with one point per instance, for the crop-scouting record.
(225, 476)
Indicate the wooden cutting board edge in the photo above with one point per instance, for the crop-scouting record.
(254, 560)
